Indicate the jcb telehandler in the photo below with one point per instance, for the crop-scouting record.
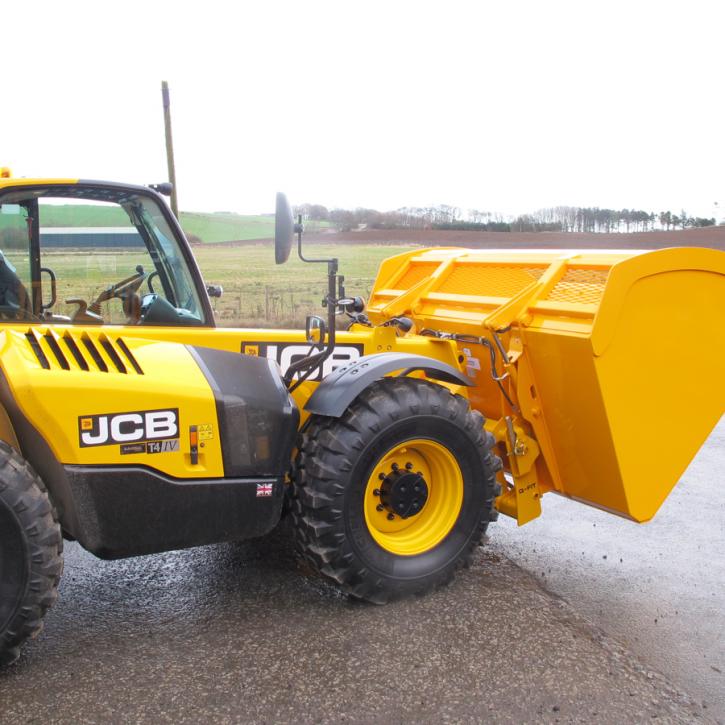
(131, 424)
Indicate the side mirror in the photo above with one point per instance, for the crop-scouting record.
(214, 290)
(284, 229)
(315, 330)
(352, 305)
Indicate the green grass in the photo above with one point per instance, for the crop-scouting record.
(224, 227)
(80, 215)
(259, 293)
(75, 215)
(208, 227)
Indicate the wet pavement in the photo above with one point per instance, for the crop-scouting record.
(659, 588)
(238, 633)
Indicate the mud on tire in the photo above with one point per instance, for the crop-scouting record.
(31, 548)
(336, 523)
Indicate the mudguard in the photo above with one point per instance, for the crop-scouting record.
(343, 385)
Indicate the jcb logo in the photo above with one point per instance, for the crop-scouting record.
(287, 353)
(143, 425)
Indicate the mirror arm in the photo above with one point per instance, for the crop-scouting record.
(335, 292)
(316, 361)
(298, 229)
(331, 305)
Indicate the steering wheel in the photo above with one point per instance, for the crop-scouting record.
(125, 290)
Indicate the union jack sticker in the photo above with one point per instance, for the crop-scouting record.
(264, 489)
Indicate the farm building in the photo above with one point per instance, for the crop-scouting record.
(90, 237)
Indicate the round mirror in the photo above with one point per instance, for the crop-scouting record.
(284, 226)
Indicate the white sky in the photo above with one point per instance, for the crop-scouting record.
(506, 106)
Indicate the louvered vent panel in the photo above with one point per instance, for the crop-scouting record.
(82, 351)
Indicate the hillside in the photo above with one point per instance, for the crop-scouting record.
(223, 226)
(207, 227)
(230, 228)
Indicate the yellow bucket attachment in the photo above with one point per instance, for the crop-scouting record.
(616, 360)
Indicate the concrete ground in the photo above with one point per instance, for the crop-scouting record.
(237, 633)
(658, 588)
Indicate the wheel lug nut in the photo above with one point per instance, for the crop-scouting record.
(402, 489)
(409, 466)
(379, 507)
(391, 517)
(376, 492)
(382, 476)
(395, 466)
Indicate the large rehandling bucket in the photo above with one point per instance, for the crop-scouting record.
(621, 373)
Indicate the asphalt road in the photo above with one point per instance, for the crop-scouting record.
(238, 633)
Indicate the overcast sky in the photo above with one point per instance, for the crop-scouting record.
(505, 106)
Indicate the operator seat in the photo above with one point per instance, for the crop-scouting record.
(15, 303)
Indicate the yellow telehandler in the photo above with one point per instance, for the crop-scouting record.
(472, 383)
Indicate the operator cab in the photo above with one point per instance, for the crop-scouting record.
(95, 253)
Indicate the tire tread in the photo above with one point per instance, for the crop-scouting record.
(324, 450)
(24, 493)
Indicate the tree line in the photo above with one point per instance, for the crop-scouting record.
(550, 219)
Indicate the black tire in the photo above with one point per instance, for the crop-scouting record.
(31, 547)
(336, 463)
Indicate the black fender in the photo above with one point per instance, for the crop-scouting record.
(335, 393)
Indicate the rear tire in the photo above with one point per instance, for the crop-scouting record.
(31, 548)
(355, 475)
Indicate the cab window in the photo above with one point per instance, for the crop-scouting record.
(92, 256)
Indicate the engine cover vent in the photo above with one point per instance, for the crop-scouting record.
(95, 352)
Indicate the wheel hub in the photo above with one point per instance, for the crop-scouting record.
(403, 493)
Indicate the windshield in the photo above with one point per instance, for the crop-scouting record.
(92, 255)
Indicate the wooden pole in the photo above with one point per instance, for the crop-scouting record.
(169, 147)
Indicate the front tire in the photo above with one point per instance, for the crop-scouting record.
(392, 498)
(31, 548)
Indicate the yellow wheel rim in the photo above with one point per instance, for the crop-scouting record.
(427, 525)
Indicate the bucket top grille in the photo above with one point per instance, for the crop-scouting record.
(580, 286)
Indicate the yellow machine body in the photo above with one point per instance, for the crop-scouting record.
(133, 425)
(611, 366)
(615, 369)
(56, 400)
(615, 363)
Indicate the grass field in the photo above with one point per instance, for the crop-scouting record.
(222, 227)
(208, 227)
(257, 293)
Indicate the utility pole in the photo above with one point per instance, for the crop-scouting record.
(169, 147)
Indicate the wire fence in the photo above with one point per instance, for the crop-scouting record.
(272, 306)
